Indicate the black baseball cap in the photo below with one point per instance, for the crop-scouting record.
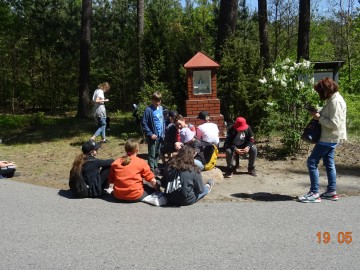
(173, 113)
(202, 115)
(89, 146)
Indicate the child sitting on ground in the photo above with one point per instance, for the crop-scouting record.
(182, 179)
(127, 174)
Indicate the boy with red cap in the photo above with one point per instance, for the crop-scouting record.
(240, 141)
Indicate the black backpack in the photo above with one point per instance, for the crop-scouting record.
(78, 186)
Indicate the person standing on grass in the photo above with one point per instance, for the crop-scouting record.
(100, 111)
(332, 118)
(153, 125)
(127, 174)
(94, 171)
(182, 179)
(7, 169)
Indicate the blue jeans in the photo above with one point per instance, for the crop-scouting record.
(199, 164)
(327, 154)
(202, 195)
(102, 127)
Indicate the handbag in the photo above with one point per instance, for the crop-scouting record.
(312, 132)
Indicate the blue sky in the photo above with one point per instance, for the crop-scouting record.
(322, 4)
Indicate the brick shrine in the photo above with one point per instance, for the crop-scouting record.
(201, 90)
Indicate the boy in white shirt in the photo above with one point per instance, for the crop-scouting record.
(207, 132)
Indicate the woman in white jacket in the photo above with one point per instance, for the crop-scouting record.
(332, 118)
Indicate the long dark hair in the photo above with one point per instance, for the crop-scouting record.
(326, 87)
(184, 160)
(77, 165)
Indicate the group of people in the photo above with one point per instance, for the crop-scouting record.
(168, 139)
(130, 179)
(184, 145)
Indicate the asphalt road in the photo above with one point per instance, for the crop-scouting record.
(43, 228)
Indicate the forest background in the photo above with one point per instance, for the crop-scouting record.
(45, 44)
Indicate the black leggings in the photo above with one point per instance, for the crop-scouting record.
(7, 172)
(147, 191)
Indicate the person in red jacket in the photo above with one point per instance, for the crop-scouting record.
(127, 174)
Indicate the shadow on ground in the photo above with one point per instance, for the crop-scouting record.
(264, 197)
(66, 194)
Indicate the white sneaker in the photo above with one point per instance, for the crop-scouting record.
(110, 189)
(310, 197)
(210, 183)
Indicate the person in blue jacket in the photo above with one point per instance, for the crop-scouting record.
(153, 125)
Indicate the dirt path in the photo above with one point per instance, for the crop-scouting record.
(49, 164)
(280, 180)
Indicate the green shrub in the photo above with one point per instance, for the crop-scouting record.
(353, 114)
(290, 90)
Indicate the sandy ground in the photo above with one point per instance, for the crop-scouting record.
(278, 179)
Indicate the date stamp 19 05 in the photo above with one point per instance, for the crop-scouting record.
(342, 237)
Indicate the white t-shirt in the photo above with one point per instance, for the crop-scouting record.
(208, 132)
(99, 107)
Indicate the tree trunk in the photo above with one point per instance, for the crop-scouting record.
(140, 25)
(84, 75)
(304, 30)
(263, 33)
(227, 24)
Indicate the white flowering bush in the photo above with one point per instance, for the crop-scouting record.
(290, 89)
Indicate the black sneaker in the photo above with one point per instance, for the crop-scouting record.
(252, 172)
(229, 172)
(332, 196)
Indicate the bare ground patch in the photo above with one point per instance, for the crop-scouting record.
(280, 178)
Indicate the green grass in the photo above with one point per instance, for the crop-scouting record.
(22, 129)
(44, 147)
(353, 115)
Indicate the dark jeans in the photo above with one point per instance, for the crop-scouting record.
(231, 156)
(154, 151)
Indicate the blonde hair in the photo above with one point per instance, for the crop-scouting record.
(104, 85)
(156, 96)
(131, 146)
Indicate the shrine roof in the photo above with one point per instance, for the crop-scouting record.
(200, 60)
